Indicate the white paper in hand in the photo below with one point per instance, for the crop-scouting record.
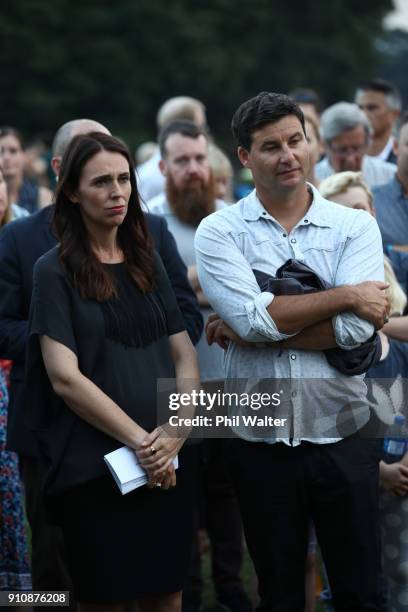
(126, 470)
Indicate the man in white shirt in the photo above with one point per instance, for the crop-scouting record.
(285, 478)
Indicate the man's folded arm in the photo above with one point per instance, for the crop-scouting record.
(293, 313)
(362, 260)
(231, 288)
(318, 337)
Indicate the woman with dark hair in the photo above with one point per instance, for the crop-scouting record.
(22, 191)
(104, 326)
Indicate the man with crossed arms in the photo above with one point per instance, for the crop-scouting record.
(284, 480)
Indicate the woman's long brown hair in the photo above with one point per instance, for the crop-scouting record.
(84, 270)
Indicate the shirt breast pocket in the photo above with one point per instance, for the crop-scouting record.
(327, 244)
(260, 246)
(323, 256)
(270, 251)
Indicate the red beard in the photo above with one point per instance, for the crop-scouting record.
(192, 202)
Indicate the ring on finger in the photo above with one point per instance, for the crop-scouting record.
(153, 450)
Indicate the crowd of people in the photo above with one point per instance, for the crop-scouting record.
(295, 270)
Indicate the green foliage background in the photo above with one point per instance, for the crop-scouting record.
(117, 61)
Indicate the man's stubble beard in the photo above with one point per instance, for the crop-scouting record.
(192, 202)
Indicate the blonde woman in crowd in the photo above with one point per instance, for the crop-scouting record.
(222, 172)
(315, 146)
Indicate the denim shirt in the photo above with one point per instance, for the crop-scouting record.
(342, 245)
(391, 208)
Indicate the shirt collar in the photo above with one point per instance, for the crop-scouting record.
(383, 155)
(316, 215)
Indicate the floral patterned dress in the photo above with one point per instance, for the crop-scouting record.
(14, 558)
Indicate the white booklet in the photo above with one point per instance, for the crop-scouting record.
(126, 469)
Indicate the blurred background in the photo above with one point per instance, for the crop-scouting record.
(117, 62)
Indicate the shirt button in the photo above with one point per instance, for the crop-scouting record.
(306, 220)
(293, 356)
(285, 235)
(294, 394)
(293, 240)
(264, 214)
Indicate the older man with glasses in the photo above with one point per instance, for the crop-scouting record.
(346, 134)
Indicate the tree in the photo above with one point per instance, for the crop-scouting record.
(393, 47)
(117, 62)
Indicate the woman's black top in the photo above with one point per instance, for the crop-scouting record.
(122, 346)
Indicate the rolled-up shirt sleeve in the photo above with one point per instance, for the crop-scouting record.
(230, 286)
(362, 260)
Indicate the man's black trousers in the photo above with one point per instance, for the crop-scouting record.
(280, 488)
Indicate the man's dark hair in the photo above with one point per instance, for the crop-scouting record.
(183, 127)
(391, 93)
(264, 108)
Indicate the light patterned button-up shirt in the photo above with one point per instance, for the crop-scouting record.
(343, 246)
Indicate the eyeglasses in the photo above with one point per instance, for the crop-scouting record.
(346, 151)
